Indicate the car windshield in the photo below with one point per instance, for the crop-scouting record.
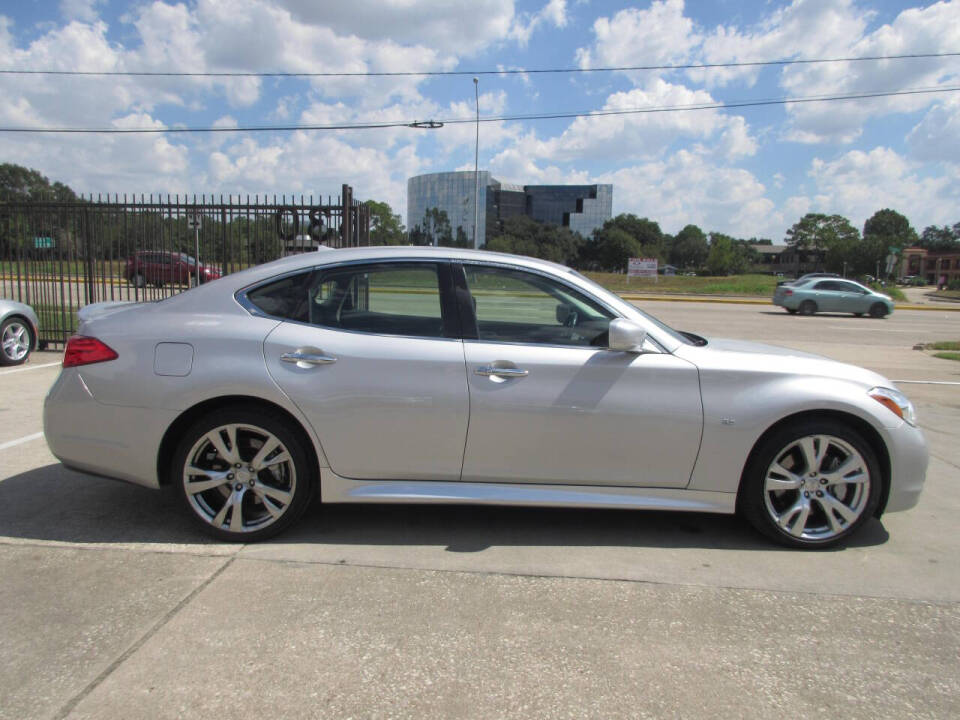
(187, 259)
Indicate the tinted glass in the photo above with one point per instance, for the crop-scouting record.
(401, 299)
(515, 306)
(285, 298)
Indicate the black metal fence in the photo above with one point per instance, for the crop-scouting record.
(59, 256)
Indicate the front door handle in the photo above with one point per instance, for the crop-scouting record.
(504, 372)
(302, 359)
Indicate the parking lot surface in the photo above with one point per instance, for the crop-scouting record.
(112, 605)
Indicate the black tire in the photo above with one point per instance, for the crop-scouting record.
(858, 314)
(807, 307)
(138, 280)
(21, 331)
(878, 310)
(792, 311)
(299, 485)
(752, 499)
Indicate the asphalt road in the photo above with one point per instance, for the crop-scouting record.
(112, 606)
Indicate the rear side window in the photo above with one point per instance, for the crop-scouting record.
(401, 299)
(397, 299)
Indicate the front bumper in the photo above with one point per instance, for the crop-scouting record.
(109, 440)
(908, 466)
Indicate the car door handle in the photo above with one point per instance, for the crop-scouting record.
(506, 372)
(307, 358)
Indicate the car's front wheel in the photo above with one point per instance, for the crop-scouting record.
(243, 473)
(811, 484)
(17, 341)
(878, 310)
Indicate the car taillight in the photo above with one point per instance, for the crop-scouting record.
(83, 350)
(788, 292)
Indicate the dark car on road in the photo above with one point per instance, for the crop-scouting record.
(163, 267)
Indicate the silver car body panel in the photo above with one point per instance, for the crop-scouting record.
(338, 489)
(599, 416)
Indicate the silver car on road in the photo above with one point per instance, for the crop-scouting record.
(19, 332)
(422, 375)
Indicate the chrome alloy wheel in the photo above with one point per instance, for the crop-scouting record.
(16, 341)
(816, 487)
(239, 478)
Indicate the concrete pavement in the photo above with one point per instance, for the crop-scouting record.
(112, 605)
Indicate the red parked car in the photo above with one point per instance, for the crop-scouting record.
(160, 267)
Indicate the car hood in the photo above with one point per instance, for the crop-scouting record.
(746, 356)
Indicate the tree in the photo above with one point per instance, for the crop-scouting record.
(890, 224)
(611, 248)
(727, 256)
(645, 231)
(525, 236)
(689, 247)
(21, 183)
(820, 234)
(434, 229)
(940, 239)
(385, 226)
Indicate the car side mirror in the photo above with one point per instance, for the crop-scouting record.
(626, 336)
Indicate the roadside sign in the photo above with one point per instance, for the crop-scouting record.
(642, 267)
(42, 243)
(193, 221)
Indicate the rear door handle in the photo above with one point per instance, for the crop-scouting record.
(302, 359)
(506, 372)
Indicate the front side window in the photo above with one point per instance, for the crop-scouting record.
(521, 307)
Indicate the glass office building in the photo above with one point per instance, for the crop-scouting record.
(582, 208)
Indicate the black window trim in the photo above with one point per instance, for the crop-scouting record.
(448, 307)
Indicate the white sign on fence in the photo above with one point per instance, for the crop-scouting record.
(193, 221)
(642, 267)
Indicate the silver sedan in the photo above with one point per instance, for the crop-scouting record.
(18, 332)
(421, 375)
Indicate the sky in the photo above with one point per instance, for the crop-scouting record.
(747, 172)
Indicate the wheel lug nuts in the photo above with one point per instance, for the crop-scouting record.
(819, 493)
(252, 482)
(237, 466)
(238, 487)
(806, 494)
(229, 476)
(823, 481)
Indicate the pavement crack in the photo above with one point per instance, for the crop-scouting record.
(154, 629)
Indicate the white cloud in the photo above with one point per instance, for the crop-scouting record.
(554, 13)
(859, 183)
(85, 10)
(936, 137)
(689, 188)
(659, 35)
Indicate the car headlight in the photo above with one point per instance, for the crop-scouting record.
(896, 402)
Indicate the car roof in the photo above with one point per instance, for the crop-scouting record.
(385, 252)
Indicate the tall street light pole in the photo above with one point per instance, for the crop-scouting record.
(476, 168)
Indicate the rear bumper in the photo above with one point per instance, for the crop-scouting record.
(112, 441)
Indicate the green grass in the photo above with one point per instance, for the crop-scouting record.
(944, 345)
(953, 294)
(894, 292)
(749, 285)
(947, 355)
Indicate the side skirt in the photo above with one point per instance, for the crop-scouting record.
(336, 489)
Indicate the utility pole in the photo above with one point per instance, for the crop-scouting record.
(476, 168)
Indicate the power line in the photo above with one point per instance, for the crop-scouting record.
(432, 123)
(432, 73)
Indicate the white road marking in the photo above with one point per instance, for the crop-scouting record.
(928, 382)
(30, 367)
(20, 441)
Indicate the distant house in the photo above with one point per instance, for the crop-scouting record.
(668, 270)
(930, 265)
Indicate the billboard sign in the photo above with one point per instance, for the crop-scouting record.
(642, 267)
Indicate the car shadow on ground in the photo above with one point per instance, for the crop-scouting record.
(55, 504)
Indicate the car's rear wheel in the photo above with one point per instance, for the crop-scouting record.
(243, 473)
(811, 484)
(792, 311)
(878, 310)
(138, 280)
(17, 341)
(858, 314)
(808, 307)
